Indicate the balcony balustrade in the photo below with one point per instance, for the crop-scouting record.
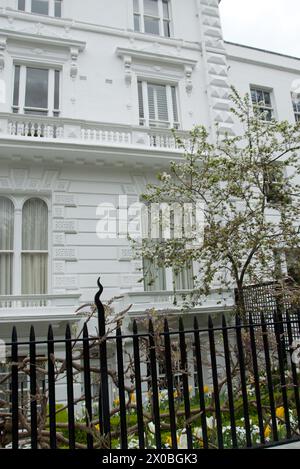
(94, 133)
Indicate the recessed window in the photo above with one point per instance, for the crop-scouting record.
(152, 17)
(262, 103)
(23, 245)
(157, 105)
(296, 108)
(36, 91)
(41, 7)
(6, 245)
(34, 247)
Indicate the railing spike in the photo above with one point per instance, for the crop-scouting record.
(50, 332)
(134, 327)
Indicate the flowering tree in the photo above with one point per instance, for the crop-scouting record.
(247, 190)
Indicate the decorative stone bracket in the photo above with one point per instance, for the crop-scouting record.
(2, 52)
(74, 51)
(188, 71)
(128, 69)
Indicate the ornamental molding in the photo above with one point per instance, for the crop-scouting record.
(2, 52)
(157, 56)
(40, 39)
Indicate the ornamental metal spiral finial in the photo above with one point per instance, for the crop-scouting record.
(98, 302)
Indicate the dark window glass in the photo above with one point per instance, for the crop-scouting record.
(40, 6)
(151, 25)
(21, 5)
(36, 88)
(167, 29)
(166, 9)
(56, 89)
(16, 86)
(57, 8)
(137, 26)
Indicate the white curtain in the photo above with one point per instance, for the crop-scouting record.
(6, 244)
(34, 247)
(184, 279)
(154, 276)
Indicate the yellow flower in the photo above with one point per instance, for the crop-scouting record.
(280, 413)
(97, 427)
(132, 397)
(206, 389)
(267, 431)
(169, 440)
(117, 402)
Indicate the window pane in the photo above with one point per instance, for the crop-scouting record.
(184, 280)
(16, 86)
(151, 25)
(56, 89)
(141, 100)
(154, 276)
(35, 226)
(136, 6)
(151, 105)
(137, 23)
(36, 88)
(151, 7)
(267, 98)
(174, 102)
(6, 270)
(162, 104)
(167, 29)
(34, 274)
(253, 96)
(260, 96)
(40, 6)
(21, 5)
(6, 224)
(6, 244)
(57, 8)
(157, 101)
(166, 9)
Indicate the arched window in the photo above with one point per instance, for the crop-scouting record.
(6, 245)
(35, 247)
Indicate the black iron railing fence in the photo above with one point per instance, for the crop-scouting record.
(227, 385)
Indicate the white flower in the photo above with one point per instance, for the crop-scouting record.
(210, 421)
(165, 176)
(182, 443)
(198, 433)
(151, 427)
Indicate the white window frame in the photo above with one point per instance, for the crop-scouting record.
(160, 18)
(17, 252)
(21, 108)
(296, 108)
(146, 121)
(261, 105)
(51, 8)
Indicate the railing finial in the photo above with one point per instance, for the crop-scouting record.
(99, 293)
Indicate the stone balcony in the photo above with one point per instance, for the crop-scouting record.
(165, 302)
(63, 130)
(56, 309)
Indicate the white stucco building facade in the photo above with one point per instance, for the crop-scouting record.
(88, 93)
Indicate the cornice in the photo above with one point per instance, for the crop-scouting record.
(155, 57)
(263, 63)
(43, 39)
